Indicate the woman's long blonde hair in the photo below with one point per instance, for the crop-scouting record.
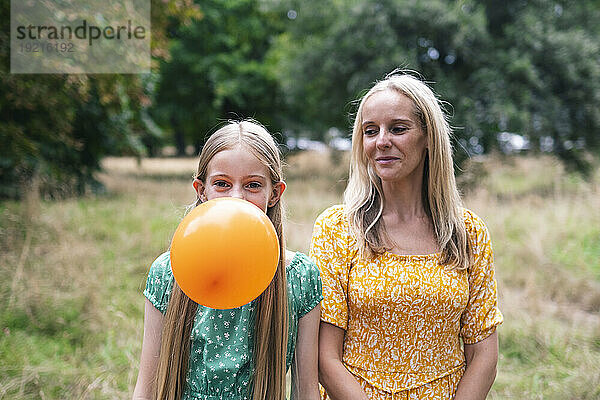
(271, 323)
(363, 197)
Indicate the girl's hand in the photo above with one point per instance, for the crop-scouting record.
(305, 376)
(153, 324)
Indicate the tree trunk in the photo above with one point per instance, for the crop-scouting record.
(179, 138)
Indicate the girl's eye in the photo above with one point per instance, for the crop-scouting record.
(220, 184)
(254, 185)
(370, 132)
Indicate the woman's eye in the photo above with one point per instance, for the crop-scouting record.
(399, 129)
(370, 132)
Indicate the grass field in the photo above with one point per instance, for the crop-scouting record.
(71, 308)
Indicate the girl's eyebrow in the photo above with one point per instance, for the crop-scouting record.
(222, 175)
(218, 175)
(256, 176)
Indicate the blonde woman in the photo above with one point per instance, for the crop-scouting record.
(410, 308)
(194, 352)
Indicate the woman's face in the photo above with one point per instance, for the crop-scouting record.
(238, 173)
(393, 141)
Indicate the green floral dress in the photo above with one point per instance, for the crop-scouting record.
(220, 365)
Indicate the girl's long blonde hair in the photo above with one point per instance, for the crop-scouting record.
(363, 197)
(271, 322)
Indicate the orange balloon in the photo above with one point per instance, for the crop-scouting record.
(224, 253)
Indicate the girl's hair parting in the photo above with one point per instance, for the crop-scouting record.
(271, 307)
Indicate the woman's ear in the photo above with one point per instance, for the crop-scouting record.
(199, 188)
(278, 189)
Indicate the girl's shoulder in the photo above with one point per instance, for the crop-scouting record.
(161, 267)
(302, 270)
(162, 262)
(159, 282)
(300, 263)
(304, 284)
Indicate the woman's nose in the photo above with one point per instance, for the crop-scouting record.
(383, 139)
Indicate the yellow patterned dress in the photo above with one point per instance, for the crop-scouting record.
(404, 315)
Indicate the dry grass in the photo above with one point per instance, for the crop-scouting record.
(73, 272)
(545, 226)
(310, 192)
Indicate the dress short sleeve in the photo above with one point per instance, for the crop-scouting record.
(306, 277)
(160, 282)
(329, 250)
(482, 315)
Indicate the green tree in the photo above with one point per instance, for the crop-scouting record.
(348, 45)
(548, 85)
(55, 129)
(218, 70)
(528, 67)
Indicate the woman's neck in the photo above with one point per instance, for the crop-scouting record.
(408, 227)
(404, 199)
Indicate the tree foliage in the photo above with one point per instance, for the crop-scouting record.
(55, 128)
(527, 67)
(548, 85)
(218, 70)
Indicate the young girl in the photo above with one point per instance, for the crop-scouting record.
(194, 352)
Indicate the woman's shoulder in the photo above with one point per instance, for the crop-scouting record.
(334, 212)
(472, 220)
(333, 217)
(476, 228)
(331, 232)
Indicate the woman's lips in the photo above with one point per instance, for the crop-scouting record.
(386, 160)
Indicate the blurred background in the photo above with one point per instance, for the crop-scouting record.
(95, 170)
